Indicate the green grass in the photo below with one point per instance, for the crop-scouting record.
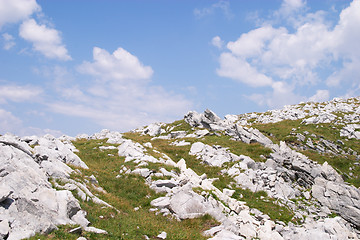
(61, 233)
(180, 125)
(278, 131)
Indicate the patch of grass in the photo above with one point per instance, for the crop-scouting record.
(154, 178)
(137, 137)
(61, 233)
(278, 131)
(180, 125)
(265, 204)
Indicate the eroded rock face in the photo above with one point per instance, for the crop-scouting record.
(204, 120)
(188, 204)
(28, 203)
(212, 155)
(342, 198)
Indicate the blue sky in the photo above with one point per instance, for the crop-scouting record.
(70, 67)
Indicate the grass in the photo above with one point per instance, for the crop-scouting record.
(180, 125)
(125, 193)
(278, 131)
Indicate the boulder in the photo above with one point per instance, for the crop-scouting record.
(339, 197)
(161, 202)
(154, 129)
(201, 119)
(162, 235)
(28, 200)
(188, 204)
(212, 155)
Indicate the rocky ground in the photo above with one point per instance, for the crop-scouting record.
(292, 173)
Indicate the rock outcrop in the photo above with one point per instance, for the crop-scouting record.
(28, 202)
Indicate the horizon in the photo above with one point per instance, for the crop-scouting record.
(72, 67)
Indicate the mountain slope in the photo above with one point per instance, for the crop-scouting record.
(284, 174)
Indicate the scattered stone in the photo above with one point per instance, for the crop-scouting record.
(77, 230)
(162, 235)
(95, 230)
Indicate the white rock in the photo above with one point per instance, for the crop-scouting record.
(5, 192)
(95, 230)
(4, 229)
(162, 235)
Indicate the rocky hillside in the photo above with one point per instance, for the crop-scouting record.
(292, 173)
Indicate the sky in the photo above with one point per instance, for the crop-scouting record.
(72, 67)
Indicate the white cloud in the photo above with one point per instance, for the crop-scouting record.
(12, 124)
(18, 93)
(252, 43)
(8, 122)
(217, 42)
(45, 40)
(120, 65)
(240, 70)
(281, 94)
(320, 96)
(12, 11)
(8, 41)
(119, 95)
(288, 7)
(267, 55)
(223, 6)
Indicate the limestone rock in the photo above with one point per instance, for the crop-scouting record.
(188, 204)
(154, 129)
(212, 155)
(162, 235)
(201, 120)
(4, 229)
(342, 198)
(5, 192)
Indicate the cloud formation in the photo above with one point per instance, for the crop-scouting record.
(223, 6)
(120, 65)
(217, 42)
(45, 40)
(18, 93)
(277, 56)
(8, 41)
(13, 11)
(119, 95)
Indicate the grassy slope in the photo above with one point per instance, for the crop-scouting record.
(125, 194)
